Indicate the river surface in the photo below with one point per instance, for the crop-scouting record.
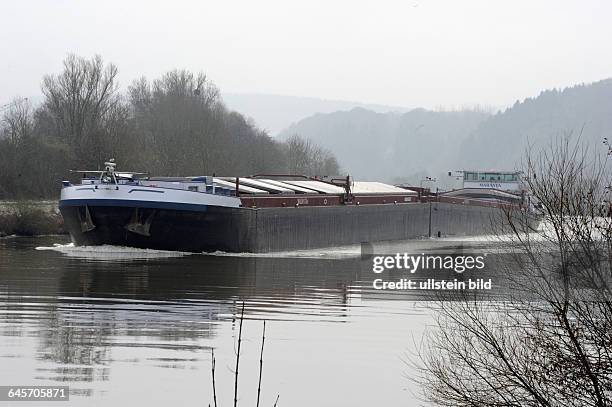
(123, 326)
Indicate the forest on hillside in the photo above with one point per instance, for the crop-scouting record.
(394, 147)
(407, 147)
(583, 111)
(170, 126)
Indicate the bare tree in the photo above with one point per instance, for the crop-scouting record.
(549, 343)
(82, 107)
(298, 155)
(184, 127)
(17, 121)
(22, 154)
(179, 120)
(305, 157)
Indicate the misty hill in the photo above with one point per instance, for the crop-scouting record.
(276, 112)
(500, 142)
(390, 146)
(409, 146)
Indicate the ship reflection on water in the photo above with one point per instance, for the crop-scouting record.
(137, 327)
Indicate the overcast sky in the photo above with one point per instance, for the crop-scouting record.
(407, 53)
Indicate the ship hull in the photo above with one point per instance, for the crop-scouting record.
(215, 228)
(168, 229)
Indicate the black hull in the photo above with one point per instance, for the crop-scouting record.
(190, 231)
(271, 229)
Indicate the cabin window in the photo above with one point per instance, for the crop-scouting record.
(470, 176)
(490, 176)
(510, 177)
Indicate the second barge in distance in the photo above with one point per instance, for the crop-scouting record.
(261, 213)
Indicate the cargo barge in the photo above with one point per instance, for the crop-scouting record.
(258, 214)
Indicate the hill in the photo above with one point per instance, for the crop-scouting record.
(273, 113)
(408, 146)
(390, 146)
(501, 141)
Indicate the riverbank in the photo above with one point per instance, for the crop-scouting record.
(30, 218)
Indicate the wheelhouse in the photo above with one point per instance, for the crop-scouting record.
(501, 180)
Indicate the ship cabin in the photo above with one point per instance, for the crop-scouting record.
(509, 181)
(491, 186)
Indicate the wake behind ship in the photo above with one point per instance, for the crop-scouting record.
(261, 213)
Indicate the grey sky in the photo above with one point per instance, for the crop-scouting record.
(406, 53)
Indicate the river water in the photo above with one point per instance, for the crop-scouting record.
(123, 326)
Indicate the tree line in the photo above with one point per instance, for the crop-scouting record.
(170, 126)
